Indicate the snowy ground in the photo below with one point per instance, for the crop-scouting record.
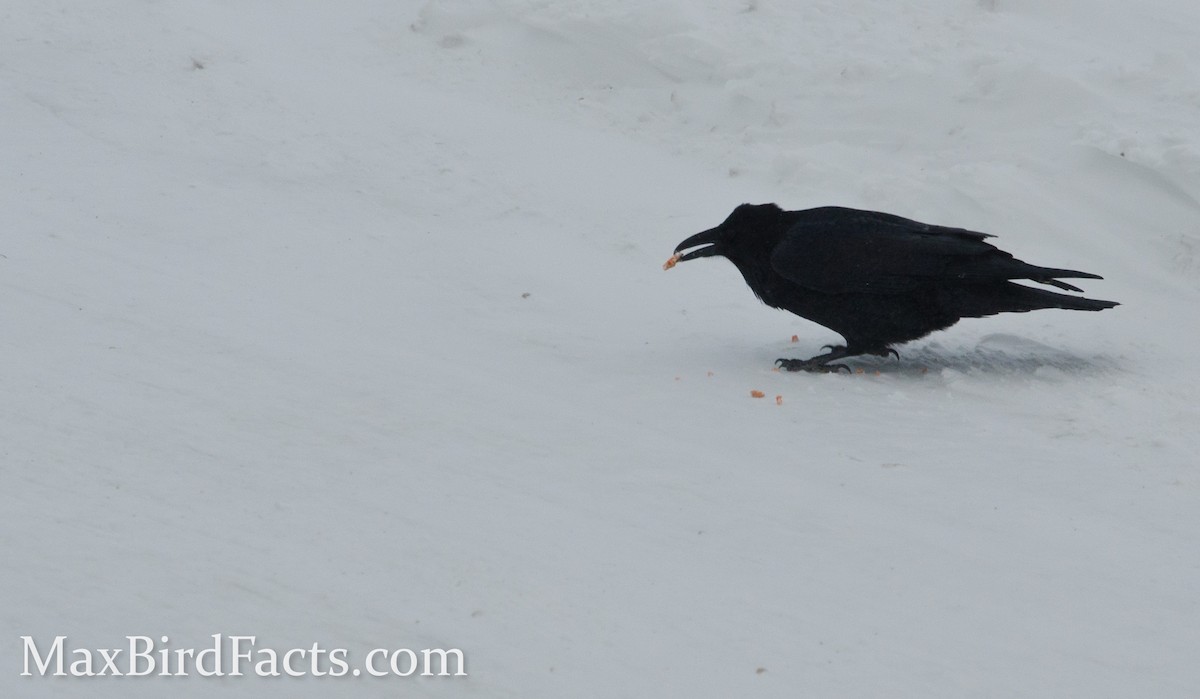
(345, 323)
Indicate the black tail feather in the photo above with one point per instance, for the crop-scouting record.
(1029, 299)
(1054, 282)
(977, 301)
(1050, 276)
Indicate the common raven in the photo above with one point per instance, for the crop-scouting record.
(876, 279)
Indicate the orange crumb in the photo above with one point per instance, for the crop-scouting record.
(778, 400)
(795, 338)
(671, 262)
(757, 394)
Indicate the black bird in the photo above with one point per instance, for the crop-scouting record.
(874, 278)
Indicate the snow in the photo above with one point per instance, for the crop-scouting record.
(345, 323)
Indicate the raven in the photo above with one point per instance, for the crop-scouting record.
(876, 279)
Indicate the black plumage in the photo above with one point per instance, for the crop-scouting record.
(876, 279)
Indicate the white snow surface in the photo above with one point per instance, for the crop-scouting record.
(346, 323)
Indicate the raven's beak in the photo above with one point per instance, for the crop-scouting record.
(708, 238)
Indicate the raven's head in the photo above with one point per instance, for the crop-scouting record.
(747, 225)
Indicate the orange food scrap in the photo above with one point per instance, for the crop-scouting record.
(757, 394)
(795, 338)
(671, 262)
(778, 400)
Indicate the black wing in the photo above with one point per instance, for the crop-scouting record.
(837, 250)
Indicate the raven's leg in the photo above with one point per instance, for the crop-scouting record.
(821, 362)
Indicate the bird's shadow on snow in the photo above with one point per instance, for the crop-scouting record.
(996, 354)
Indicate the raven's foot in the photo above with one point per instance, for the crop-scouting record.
(820, 363)
(814, 365)
(843, 351)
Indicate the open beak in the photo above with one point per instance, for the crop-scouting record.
(708, 239)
